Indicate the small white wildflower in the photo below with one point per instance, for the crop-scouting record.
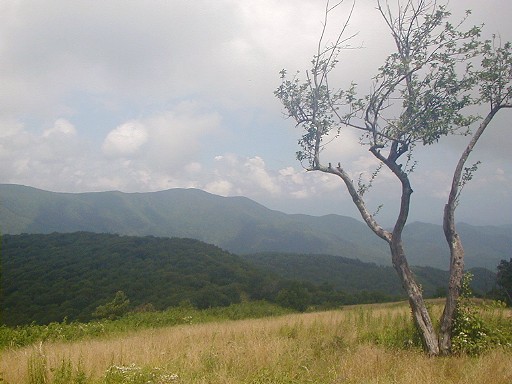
(164, 379)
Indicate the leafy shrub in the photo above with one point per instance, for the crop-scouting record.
(472, 333)
(113, 309)
(469, 334)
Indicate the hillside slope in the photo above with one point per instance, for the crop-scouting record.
(236, 224)
(353, 276)
(48, 277)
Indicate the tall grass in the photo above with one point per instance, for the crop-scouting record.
(13, 337)
(362, 344)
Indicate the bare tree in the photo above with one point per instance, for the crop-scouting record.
(418, 96)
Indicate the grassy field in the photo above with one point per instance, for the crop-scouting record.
(360, 344)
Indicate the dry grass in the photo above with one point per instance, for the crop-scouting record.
(326, 347)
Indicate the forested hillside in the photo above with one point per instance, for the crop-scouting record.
(55, 276)
(352, 275)
(49, 277)
(236, 224)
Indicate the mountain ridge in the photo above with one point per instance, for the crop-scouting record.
(237, 224)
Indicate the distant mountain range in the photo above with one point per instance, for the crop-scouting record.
(236, 224)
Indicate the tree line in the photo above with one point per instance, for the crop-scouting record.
(75, 276)
(83, 276)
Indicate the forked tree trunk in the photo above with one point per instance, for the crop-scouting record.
(394, 239)
(416, 302)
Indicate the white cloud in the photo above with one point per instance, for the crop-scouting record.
(256, 169)
(156, 152)
(193, 167)
(177, 136)
(125, 140)
(10, 127)
(164, 149)
(301, 194)
(53, 158)
(61, 126)
(250, 176)
(235, 175)
(290, 174)
(219, 187)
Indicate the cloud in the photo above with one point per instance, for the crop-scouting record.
(129, 51)
(160, 151)
(235, 175)
(226, 51)
(10, 127)
(53, 157)
(193, 167)
(61, 126)
(125, 140)
(180, 135)
(251, 177)
(256, 168)
(164, 150)
(289, 173)
(220, 187)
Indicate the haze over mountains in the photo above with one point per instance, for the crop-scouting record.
(236, 224)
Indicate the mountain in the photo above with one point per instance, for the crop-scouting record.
(236, 224)
(485, 246)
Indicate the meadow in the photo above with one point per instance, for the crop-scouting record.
(356, 344)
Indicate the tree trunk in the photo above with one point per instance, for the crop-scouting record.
(416, 302)
(419, 310)
(414, 294)
(456, 273)
(454, 242)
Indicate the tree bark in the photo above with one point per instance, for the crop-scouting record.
(416, 302)
(419, 310)
(456, 273)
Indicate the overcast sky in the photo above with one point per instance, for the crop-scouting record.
(143, 96)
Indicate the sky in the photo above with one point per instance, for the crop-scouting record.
(141, 96)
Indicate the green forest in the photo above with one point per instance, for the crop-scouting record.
(56, 277)
(51, 277)
(352, 275)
